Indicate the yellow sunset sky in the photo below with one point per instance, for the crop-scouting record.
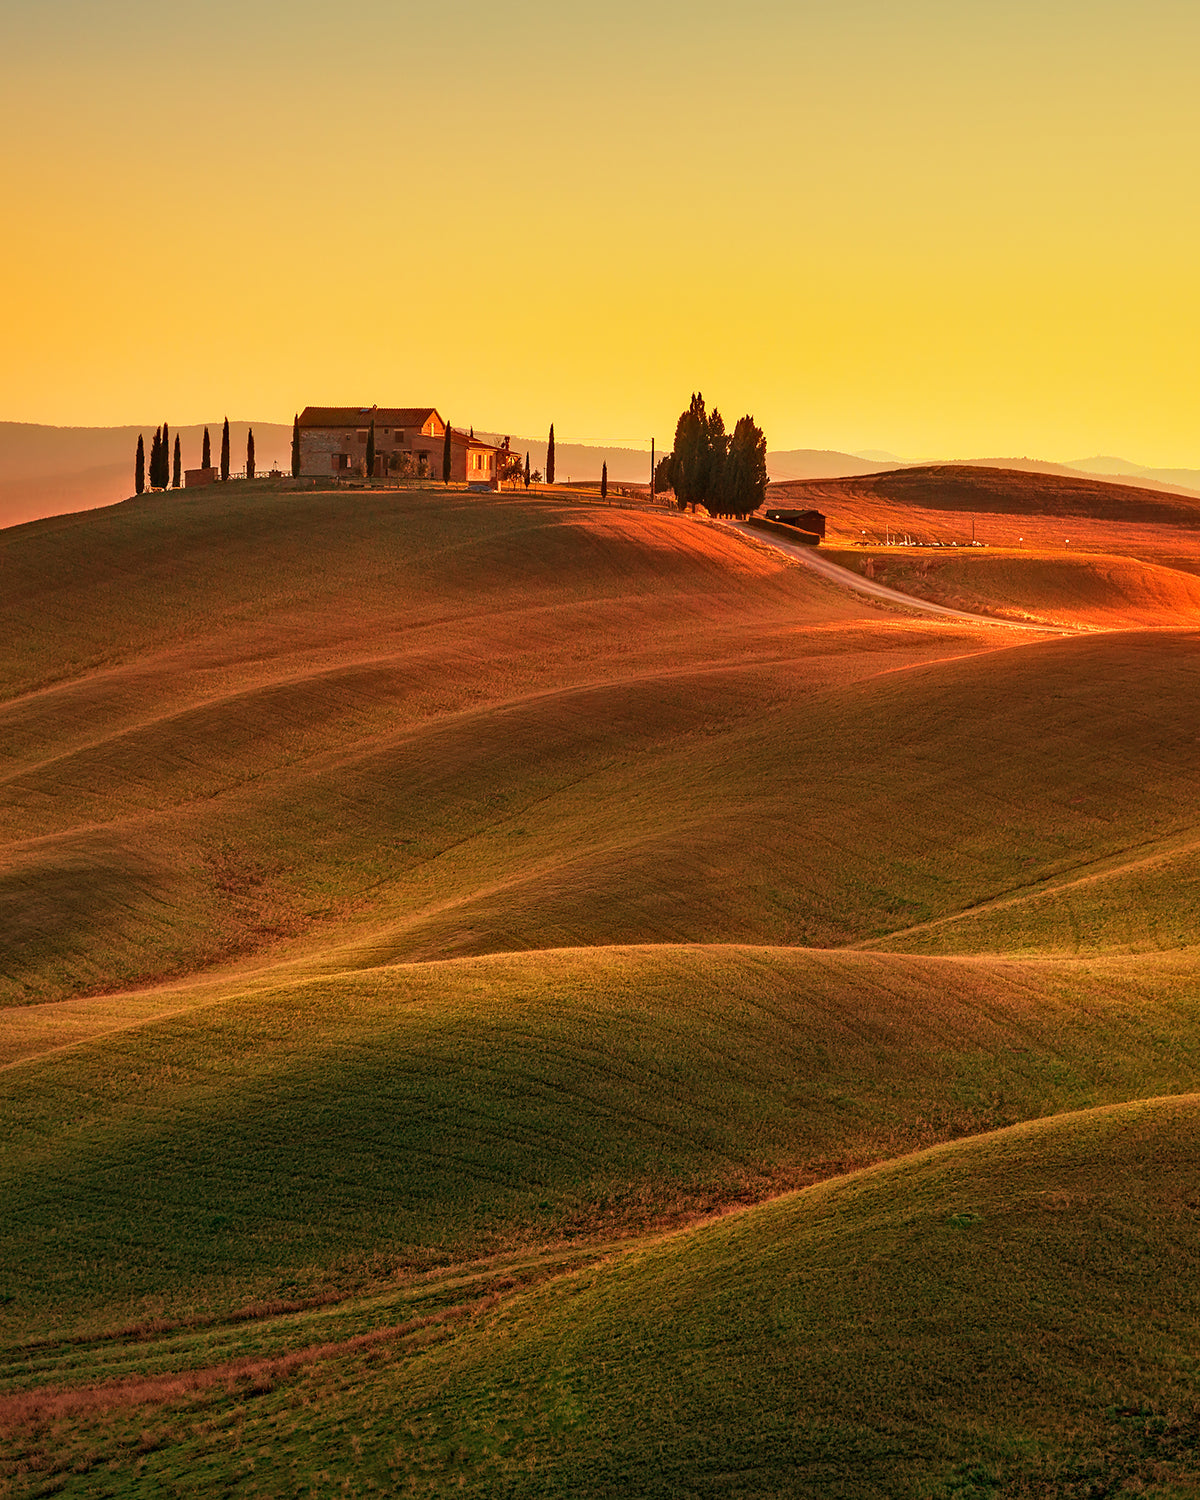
(938, 227)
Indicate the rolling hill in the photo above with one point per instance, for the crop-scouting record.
(1002, 492)
(477, 972)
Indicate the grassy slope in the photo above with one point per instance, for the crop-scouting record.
(693, 744)
(315, 735)
(236, 723)
(329, 1132)
(914, 1330)
(173, 652)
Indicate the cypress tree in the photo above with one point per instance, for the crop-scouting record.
(550, 457)
(371, 450)
(526, 469)
(164, 459)
(225, 450)
(604, 480)
(177, 476)
(747, 465)
(446, 456)
(155, 450)
(689, 457)
(717, 482)
(296, 446)
(250, 453)
(139, 467)
(206, 454)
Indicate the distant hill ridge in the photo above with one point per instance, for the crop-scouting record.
(1002, 491)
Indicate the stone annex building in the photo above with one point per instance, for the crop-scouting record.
(408, 444)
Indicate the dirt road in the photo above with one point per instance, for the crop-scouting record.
(811, 558)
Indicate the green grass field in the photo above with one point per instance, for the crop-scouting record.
(455, 951)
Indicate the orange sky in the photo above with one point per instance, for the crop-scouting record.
(939, 227)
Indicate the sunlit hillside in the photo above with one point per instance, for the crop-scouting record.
(456, 948)
(953, 504)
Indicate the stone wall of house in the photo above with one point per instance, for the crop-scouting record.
(326, 451)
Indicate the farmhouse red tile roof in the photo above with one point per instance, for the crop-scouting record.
(385, 416)
(359, 416)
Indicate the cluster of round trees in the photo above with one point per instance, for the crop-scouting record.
(164, 473)
(724, 472)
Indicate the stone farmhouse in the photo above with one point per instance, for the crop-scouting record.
(408, 444)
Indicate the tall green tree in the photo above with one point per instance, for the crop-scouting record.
(550, 457)
(604, 480)
(717, 478)
(139, 468)
(296, 446)
(250, 453)
(664, 474)
(371, 450)
(206, 452)
(155, 457)
(225, 450)
(164, 458)
(177, 473)
(747, 464)
(447, 455)
(689, 456)
(527, 471)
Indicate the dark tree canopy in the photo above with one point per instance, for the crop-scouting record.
(664, 474)
(726, 473)
(250, 453)
(225, 450)
(604, 480)
(295, 446)
(550, 457)
(718, 452)
(690, 466)
(446, 455)
(747, 467)
(177, 472)
(160, 460)
(139, 467)
(527, 471)
(206, 452)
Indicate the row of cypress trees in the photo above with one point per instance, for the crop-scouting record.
(160, 461)
(166, 470)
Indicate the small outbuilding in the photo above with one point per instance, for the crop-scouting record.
(811, 521)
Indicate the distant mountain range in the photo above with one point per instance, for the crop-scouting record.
(46, 471)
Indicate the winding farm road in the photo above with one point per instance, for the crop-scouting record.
(812, 559)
